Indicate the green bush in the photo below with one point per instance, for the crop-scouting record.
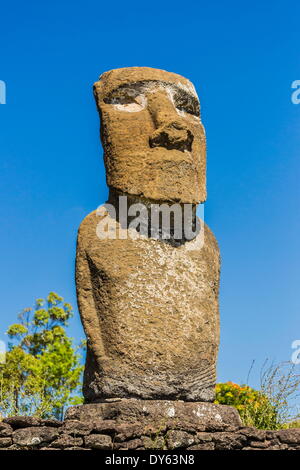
(275, 405)
(254, 407)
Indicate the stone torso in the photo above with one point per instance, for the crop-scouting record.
(157, 307)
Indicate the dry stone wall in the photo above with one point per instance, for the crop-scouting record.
(19, 433)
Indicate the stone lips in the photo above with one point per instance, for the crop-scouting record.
(150, 312)
(160, 151)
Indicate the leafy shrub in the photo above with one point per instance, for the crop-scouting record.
(274, 406)
(254, 407)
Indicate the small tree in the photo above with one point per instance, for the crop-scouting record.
(42, 372)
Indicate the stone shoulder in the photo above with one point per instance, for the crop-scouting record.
(210, 238)
(87, 227)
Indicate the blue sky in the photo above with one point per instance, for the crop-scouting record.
(242, 58)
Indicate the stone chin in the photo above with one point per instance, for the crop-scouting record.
(158, 174)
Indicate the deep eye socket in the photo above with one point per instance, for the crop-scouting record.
(127, 99)
(187, 103)
(133, 98)
(123, 96)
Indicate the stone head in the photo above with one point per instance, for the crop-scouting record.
(152, 135)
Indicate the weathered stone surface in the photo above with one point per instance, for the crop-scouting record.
(134, 416)
(203, 437)
(51, 422)
(125, 433)
(203, 446)
(279, 447)
(66, 440)
(260, 444)
(155, 316)
(76, 428)
(17, 422)
(34, 436)
(98, 441)
(152, 135)
(228, 441)
(112, 427)
(5, 430)
(270, 434)
(14, 447)
(5, 441)
(289, 436)
(253, 433)
(178, 439)
(130, 431)
(149, 308)
(130, 445)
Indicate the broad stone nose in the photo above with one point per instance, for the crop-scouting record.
(171, 130)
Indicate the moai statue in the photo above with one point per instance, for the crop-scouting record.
(149, 305)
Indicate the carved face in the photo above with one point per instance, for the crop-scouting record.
(153, 138)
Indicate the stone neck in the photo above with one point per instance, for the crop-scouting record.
(167, 221)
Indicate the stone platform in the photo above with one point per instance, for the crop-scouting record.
(157, 414)
(143, 425)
